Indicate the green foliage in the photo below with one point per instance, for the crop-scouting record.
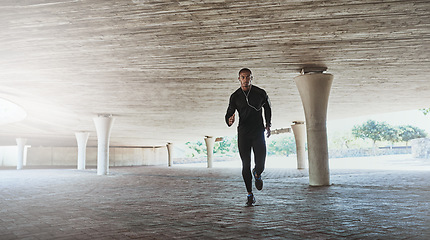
(228, 145)
(283, 145)
(409, 132)
(390, 133)
(384, 132)
(277, 145)
(425, 111)
(197, 148)
(370, 129)
(222, 147)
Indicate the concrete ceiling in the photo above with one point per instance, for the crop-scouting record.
(165, 69)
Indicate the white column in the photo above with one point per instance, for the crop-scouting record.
(82, 139)
(170, 154)
(314, 89)
(210, 142)
(20, 152)
(103, 126)
(300, 137)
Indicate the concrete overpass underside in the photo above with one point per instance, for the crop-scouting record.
(165, 69)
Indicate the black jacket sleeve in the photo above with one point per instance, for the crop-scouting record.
(230, 110)
(267, 111)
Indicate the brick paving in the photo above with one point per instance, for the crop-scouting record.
(201, 203)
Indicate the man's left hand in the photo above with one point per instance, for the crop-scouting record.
(268, 132)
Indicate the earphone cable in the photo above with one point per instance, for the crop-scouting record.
(247, 101)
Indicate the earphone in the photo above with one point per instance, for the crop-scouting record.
(247, 101)
(250, 86)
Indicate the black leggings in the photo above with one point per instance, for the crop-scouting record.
(258, 145)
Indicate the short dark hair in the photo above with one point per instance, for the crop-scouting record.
(245, 70)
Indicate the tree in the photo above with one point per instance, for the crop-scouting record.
(370, 129)
(409, 132)
(383, 131)
(282, 145)
(390, 133)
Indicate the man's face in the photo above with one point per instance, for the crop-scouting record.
(245, 80)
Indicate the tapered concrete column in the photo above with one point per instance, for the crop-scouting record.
(314, 89)
(210, 142)
(300, 137)
(170, 154)
(20, 152)
(82, 139)
(104, 125)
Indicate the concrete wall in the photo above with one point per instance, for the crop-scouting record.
(421, 147)
(364, 152)
(136, 156)
(68, 156)
(8, 156)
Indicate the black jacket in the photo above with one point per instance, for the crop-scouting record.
(249, 105)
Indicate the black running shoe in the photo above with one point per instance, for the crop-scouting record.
(258, 181)
(250, 200)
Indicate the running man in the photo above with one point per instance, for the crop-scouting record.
(249, 100)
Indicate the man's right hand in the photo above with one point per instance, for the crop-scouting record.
(231, 120)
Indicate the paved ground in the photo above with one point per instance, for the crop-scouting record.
(201, 203)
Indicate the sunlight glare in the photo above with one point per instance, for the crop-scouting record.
(11, 112)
